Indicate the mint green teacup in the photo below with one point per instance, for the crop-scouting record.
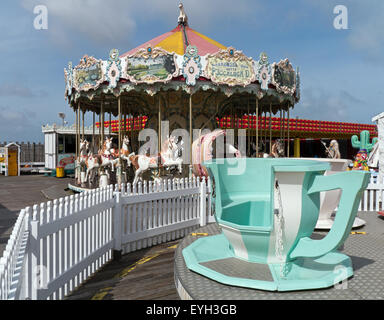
(268, 212)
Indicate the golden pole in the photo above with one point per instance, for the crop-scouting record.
(102, 124)
(159, 125)
(76, 138)
(83, 134)
(257, 127)
(110, 125)
(190, 129)
(288, 133)
(248, 135)
(270, 128)
(93, 132)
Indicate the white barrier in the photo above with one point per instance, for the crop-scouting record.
(56, 246)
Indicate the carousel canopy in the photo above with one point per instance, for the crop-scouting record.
(179, 39)
(178, 64)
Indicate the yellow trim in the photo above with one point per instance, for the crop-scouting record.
(215, 43)
(173, 43)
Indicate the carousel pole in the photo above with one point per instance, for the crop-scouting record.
(270, 128)
(83, 116)
(78, 142)
(190, 133)
(110, 125)
(120, 120)
(159, 125)
(257, 127)
(76, 138)
(248, 136)
(102, 124)
(283, 129)
(288, 133)
(265, 132)
(93, 132)
(125, 121)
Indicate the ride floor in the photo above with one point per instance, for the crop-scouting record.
(365, 247)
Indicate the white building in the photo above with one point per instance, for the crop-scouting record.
(60, 144)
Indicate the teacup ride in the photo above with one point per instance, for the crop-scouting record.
(267, 210)
(330, 199)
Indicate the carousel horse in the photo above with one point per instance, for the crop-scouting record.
(277, 149)
(124, 152)
(107, 154)
(93, 165)
(333, 150)
(166, 158)
(82, 159)
(202, 150)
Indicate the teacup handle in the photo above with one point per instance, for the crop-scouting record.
(352, 184)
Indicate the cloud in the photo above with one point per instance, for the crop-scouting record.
(112, 23)
(20, 91)
(18, 124)
(321, 104)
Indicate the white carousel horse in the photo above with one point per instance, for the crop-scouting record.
(124, 152)
(93, 164)
(81, 160)
(202, 150)
(333, 150)
(277, 150)
(143, 163)
(107, 154)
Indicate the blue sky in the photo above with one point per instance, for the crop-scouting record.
(341, 70)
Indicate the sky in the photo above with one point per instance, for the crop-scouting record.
(341, 69)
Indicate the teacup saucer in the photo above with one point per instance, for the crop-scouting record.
(213, 258)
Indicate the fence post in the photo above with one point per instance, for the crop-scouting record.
(203, 204)
(116, 216)
(34, 259)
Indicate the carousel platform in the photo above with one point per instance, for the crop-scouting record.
(365, 247)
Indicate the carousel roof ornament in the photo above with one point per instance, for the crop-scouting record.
(183, 19)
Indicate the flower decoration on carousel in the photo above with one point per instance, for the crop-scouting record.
(263, 71)
(191, 65)
(114, 69)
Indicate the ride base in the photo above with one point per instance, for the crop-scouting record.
(213, 258)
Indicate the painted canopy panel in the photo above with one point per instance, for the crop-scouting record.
(175, 41)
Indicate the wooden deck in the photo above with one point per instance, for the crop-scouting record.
(16, 193)
(147, 274)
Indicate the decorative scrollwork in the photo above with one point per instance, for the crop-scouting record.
(114, 69)
(230, 67)
(284, 77)
(263, 71)
(192, 68)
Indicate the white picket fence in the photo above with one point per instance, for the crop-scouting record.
(58, 245)
(372, 199)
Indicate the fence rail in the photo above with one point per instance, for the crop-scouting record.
(56, 246)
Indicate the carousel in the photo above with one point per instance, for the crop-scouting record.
(179, 82)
